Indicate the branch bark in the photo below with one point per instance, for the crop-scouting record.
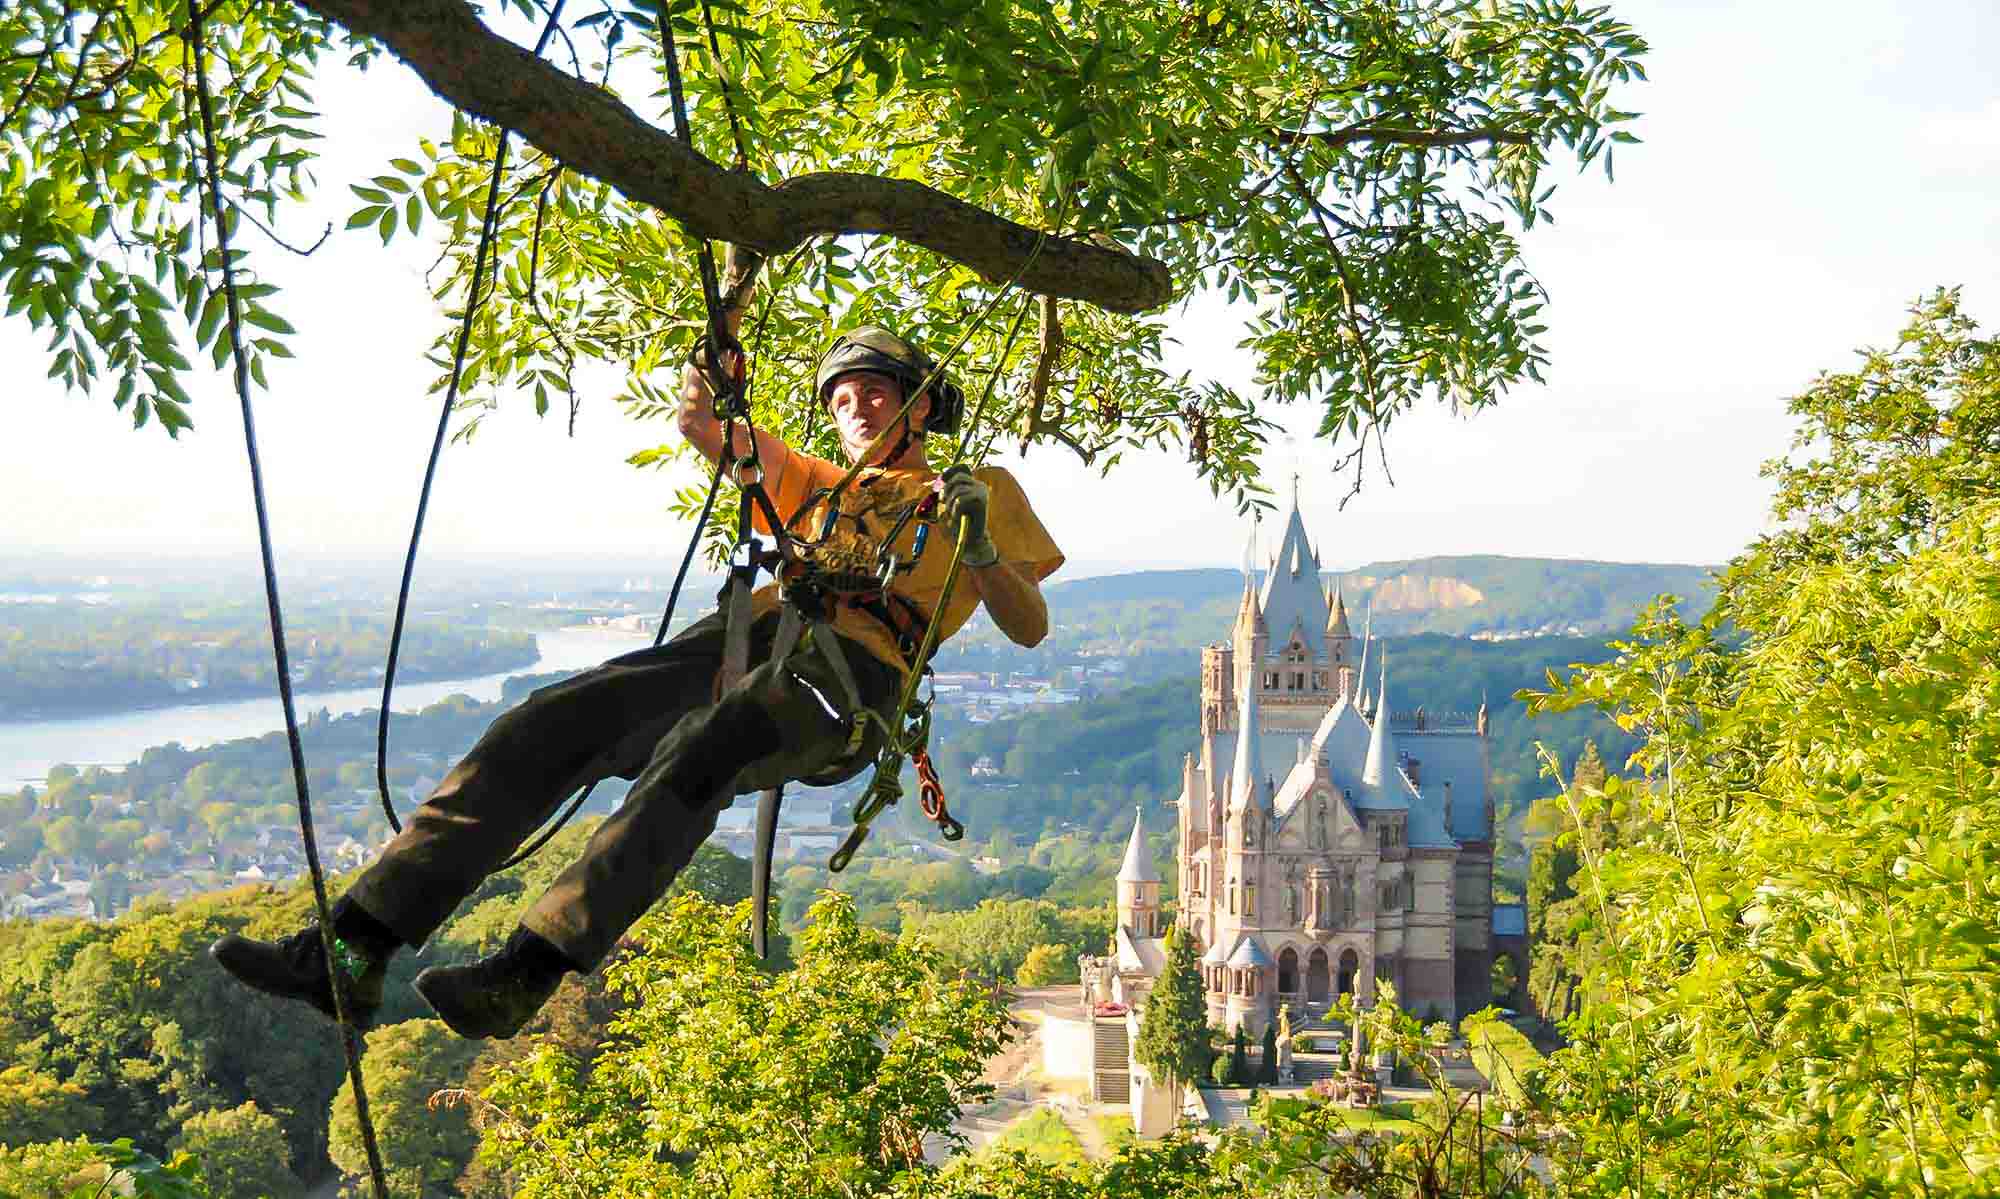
(590, 130)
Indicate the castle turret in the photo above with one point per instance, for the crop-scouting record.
(1378, 772)
(1340, 647)
(1139, 884)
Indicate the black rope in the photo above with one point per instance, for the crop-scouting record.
(722, 77)
(336, 976)
(488, 226)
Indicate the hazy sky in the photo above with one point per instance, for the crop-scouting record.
(1804, 177)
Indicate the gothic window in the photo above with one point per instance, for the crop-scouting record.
(1249, 899)
(1298, 680)
(1271, 680)
(1232, 897)
(1347, 897)
(1291, 903)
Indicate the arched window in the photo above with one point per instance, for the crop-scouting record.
(1288, 971)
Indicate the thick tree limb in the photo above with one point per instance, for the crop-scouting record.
(1403, 137)
(590, 130)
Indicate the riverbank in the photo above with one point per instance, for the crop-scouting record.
(28, 748)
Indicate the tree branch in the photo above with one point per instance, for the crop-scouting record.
(1403, 137)
(590, 130)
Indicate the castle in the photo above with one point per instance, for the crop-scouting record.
(1327, 839)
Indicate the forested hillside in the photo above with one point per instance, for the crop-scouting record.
(1490, 595)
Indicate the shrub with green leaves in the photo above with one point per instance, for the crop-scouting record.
(823, 1080)
(1794, 949)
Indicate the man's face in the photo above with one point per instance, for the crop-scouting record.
(864, 403)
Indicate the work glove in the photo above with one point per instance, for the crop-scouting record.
(964, 497)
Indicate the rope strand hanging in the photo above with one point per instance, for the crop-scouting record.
(349, 1035)
(488, 227)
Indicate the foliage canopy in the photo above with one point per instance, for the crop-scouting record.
(1359, 171)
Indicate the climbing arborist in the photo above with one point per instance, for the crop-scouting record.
(654, 716)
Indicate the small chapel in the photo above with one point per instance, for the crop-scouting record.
(1330, 834)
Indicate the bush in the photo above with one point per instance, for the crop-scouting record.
(1220, 1073)
(1239, 1057)
(1047, 965)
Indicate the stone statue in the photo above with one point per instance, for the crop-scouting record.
(1285, 1042)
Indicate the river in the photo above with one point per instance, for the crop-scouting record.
(28, 748)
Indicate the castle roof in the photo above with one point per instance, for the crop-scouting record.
(1293, 601)
(1138, 867)
(1249, 955)
(1140, 955)
(1215, 956)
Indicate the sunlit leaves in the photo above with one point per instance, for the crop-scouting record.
(1800, 986)
(98, 205)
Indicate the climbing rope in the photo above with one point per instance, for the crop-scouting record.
(488, 227)
(349, 1034)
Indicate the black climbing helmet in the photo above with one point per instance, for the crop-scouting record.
(872, 348)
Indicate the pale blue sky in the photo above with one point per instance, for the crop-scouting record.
(1804, 177)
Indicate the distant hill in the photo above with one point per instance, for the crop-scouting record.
(1486, 595)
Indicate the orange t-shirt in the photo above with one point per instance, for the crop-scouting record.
(869, 509)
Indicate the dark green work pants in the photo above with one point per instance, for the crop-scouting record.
(650, 716)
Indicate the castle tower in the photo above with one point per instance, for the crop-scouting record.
(1340, 645)
(1139, 885)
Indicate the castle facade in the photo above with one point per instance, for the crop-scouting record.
(1328, 839)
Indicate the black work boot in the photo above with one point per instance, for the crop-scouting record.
(295, 968)
(496, 995)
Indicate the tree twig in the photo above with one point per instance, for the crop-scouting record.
(1383, 134)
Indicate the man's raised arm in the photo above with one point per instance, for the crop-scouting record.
(697, 414)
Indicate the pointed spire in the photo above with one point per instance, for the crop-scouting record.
(1381, 747)
(1248, 772)
(1138, 867)
(1249, 613)
(1336, 625)
(1361, 675)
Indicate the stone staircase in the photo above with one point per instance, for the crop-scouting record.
(1111, 1079)
(1309, 1068)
